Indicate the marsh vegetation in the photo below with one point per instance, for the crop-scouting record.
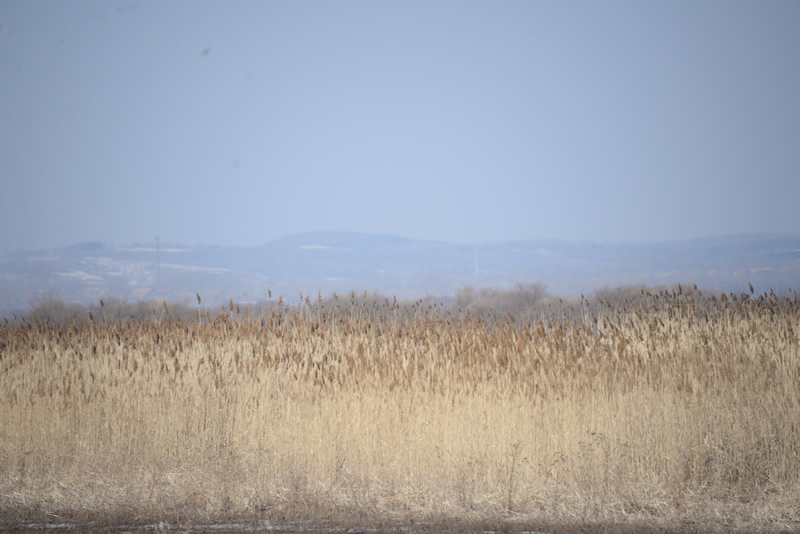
(663, 407)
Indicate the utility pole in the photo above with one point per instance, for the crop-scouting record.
(476, 265)
(158, 265)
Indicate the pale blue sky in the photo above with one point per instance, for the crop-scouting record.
(236, 123)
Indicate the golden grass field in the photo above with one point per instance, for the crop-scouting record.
(669, 410)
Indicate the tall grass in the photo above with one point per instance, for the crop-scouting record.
(662, 409)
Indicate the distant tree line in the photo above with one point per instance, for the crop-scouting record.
(529, 302)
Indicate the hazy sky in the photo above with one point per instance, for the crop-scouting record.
(236, 123)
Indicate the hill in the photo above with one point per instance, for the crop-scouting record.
(393, 265)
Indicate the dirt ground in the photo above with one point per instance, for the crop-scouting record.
(489, 527)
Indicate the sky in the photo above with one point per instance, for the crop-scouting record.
(237, 123)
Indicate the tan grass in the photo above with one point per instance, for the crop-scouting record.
(665, 411)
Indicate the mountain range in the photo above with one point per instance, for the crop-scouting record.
(406, 268)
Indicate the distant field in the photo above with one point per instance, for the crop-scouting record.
(667, 411)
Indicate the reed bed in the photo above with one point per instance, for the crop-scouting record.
(666, 410)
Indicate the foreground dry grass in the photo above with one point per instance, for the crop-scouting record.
(668, 412)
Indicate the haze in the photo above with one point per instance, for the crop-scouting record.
(237, 123)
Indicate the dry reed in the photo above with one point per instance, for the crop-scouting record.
(664, 410)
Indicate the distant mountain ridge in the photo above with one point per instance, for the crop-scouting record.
(394, 265)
